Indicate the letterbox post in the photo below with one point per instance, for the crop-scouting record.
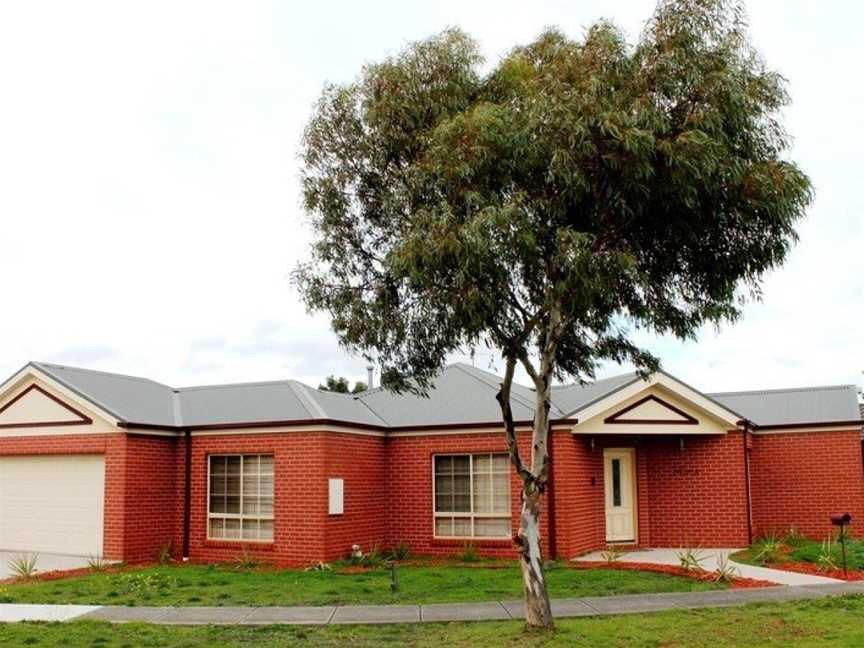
(842, 521)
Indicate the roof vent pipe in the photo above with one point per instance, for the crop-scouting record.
(370, 376)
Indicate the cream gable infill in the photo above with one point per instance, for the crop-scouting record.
(659, 405)
(33, 405)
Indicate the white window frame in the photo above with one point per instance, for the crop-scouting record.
(470, 515)
(240, 516)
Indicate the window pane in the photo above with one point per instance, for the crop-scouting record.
(443, 465)
(250, 465)
(217, 504)
(462, 527)
(616, 482)
(501, 463)
(462, 503)
(265, 506)
(250, 484)
(492, 527)
(461, 465)
(217, 528)
(265, 485)
(232, 528)
(444, 527)
(501, 493)
(482, 493)
(217, 484)
(232, 504)
(266, 464)
(217, 465)
(250, 529)
(265, 530)
(232, 485)
(250, 505)
(233, 465)
(482, 463)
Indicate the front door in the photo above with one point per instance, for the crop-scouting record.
(619, 479)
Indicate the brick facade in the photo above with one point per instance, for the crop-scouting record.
(693, 494)
(799, 479)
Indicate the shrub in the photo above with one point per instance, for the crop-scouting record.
(319, 566)
(769, 550)
(24, 565)
(402, 551)
(794, 538)
(826, 560)
(97, 563)
(612, 554)
(469, 553)
(691, 559)
(165, 553)
(246, 560)
(726, 572)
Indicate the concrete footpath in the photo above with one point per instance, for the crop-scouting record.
(362, 614)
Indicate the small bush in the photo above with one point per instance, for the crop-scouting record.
(24, 565)
(826, 560)
(165, 551)
(794, 538)
(469, 553)
(769, 550)
(726, 572)
(97, 563)
(402, 551)
(319, 566)
(246, 560)
(612, 554)
(691, 559)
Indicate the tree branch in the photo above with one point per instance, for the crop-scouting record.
(503, 398)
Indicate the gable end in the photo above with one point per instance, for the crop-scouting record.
(61, 413)
(675, 415)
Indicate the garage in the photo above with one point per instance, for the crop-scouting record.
(52, 504)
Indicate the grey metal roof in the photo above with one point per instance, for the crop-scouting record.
(794, 406)
(462, 394)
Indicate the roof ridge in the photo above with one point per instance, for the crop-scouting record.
(254, 383)
(113, 374)
(369, 407)
(785, 390)
(596, 381)
(306, 399)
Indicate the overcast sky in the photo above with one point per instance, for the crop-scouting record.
(149, 182)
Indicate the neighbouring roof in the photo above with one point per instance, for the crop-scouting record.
(461, 395)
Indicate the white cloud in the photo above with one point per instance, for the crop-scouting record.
(148, 183)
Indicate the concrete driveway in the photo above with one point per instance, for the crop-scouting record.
(44, 563)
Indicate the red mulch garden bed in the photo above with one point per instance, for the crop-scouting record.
(671, 570)
(810, 568)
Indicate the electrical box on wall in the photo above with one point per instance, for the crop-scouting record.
(337, 495)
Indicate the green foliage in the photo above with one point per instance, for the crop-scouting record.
(691, 559)
(794, 537)
(342, 386)
(97, 563)
(319, 565)
(725, 572)
(372, 559)
(769, 550)
(468, 554)
(827, 560)
(578, 189)
(24, 565)
(246, 560)
(401, 551)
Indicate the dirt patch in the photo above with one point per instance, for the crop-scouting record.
(671, 570)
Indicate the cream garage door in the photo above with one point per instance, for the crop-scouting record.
(52, 504)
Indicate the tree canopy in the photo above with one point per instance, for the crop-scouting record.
(341, 385)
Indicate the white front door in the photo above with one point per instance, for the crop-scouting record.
(620, 483)
(52, 504)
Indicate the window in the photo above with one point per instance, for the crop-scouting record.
(472, 496)
(241, 498)
(616, 482)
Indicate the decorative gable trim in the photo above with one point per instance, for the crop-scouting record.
(683, 417)
(81, 418)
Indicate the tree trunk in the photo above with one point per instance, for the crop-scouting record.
(538, 611)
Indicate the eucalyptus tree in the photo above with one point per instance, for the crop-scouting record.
(548, 206)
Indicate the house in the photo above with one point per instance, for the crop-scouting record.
(100, 463)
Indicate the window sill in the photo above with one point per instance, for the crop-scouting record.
(477, 542)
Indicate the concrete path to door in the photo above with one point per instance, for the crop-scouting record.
(45, 562)
(370, 614)
(711, 556)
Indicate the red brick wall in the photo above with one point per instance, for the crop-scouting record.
(361, 462)
(151, 496)
(578, 494)
(409, 485)
(698, 495)
(801, 478)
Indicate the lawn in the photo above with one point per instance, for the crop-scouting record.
(225, 585)
(834, 622)
(792, 548)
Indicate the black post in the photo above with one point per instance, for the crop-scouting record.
(843, 549)
(394, 577)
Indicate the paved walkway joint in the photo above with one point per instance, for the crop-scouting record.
(362, 614)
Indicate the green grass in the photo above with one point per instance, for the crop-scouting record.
(826, 622)
(798, 549)
(224, 585)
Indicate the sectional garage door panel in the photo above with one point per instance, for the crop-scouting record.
(52, 504)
